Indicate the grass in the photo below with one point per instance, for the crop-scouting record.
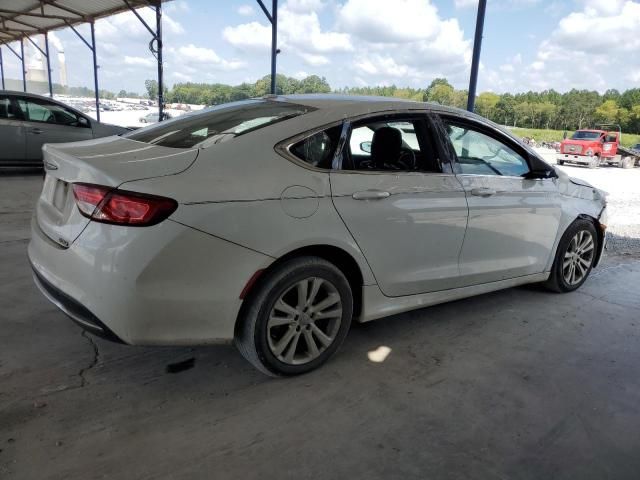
(544, 135)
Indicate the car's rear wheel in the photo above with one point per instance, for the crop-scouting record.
(297, 317)
(574, 258)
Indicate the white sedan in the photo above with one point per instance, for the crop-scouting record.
(276, 222)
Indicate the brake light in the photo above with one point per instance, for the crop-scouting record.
(121, 207)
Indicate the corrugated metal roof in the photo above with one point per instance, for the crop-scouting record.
(23, 18)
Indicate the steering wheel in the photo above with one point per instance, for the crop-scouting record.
(407, 159)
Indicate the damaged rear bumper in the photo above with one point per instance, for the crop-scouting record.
(74, 309)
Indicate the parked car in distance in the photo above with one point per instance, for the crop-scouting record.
(28, 121)
(153, 117)
(276, 222)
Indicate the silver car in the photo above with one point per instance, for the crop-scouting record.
(28, 121)
(275, 222)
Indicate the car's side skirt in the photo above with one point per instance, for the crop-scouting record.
(375, 305)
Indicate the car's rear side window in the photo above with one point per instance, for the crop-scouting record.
(318, 149)
(218, 124)
(7, 109)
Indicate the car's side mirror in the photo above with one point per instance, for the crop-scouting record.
(540, 174)
(365, 147)
(83, 122)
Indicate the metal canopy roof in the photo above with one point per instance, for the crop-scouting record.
(23, 18)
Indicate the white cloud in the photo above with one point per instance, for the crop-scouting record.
(299, 33)
(181, 77)
(382, 21)
(191, 54)
(423, 45)
(249, 36)
(314, 60)
(139, 61)
(465, 3)
(591, 48)
(304, 6)
(126, 25)
(176, 6)
(246, 10)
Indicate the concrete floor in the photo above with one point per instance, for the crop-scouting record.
(519, 384)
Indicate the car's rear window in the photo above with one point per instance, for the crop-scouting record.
(217, 124)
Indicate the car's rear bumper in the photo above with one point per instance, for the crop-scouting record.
(163, 285)
(74, 310)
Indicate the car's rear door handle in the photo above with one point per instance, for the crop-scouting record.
(483, 192)
(370, 195)
(37, 131)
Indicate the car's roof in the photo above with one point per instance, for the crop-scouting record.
(330, 101)
(25, 94)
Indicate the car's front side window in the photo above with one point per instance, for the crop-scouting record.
(480, 154)
(47, 113)
(391, 143)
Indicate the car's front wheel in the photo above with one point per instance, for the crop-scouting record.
(574, 258)
(297, 317)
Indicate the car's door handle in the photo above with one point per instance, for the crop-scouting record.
(370, 195)
(37, 131)
(483, 192)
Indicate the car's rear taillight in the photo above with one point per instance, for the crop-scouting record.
(121, 207)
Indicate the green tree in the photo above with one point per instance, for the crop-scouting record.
(152, 88)
(486, 105)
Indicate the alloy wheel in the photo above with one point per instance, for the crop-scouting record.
(304, 321)
(578, 257)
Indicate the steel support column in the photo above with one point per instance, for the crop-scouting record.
(95, 68)
(475, 63)
(24, 71)
(92, 47)
(159, 58)
(2, 69)
(21, 58)
(273, 19)
(274, 44)
(46, 48)
(157, 52)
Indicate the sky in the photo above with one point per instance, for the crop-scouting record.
(528, 44)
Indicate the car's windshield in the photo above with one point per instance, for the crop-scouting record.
(585, 135)
(217, 124)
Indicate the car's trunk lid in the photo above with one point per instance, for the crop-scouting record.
(108, 161)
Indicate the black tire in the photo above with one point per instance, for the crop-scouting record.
(252, 331)
(557, 281)
(560, 162)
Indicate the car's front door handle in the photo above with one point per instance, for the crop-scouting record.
(370, 195)
(483, 192)
(37, 131)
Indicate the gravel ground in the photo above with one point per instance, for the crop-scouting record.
(623, 188)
